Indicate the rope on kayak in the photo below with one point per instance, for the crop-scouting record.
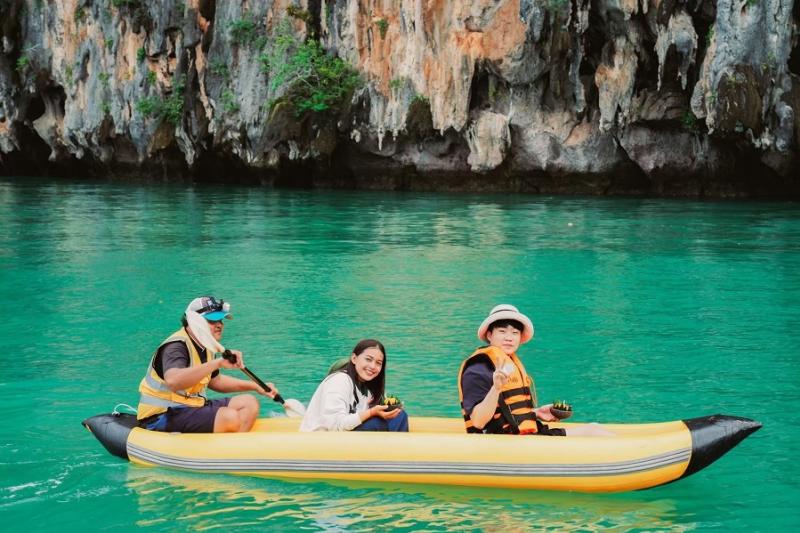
(115, 412)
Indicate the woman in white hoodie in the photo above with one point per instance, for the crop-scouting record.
(348, 399)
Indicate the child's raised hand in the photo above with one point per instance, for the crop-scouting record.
(499, 378)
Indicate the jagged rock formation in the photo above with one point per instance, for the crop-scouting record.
(670, 97)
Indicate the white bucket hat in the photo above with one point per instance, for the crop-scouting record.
(507, 312)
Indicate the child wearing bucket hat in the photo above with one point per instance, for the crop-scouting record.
(497, 395)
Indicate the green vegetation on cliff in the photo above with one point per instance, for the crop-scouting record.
(383, 26)
(169, 108)
(23, 62)
(313, 80)
(299, 14)
(229, 102)
(243, 31)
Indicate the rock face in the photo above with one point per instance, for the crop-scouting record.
(666, 97)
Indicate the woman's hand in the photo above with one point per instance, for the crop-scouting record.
(381, 411)
(271, 394)
(543, 413)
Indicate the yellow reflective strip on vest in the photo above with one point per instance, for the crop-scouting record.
(152, 387)
(160, 386)
(158, 402)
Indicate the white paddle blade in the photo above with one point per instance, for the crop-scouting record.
(202, 331)
(294, 409)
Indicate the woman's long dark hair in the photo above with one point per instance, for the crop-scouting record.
(376, 385)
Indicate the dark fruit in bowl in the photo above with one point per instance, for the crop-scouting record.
(561, 410)
(392, 403)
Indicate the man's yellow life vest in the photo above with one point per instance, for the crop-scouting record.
(154, 395)
(514, 411)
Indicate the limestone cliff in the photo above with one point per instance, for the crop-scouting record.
(666, 97)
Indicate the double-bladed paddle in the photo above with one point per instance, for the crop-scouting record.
(202, 332)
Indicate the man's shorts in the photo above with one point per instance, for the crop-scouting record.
(190, 419)
(544, 429)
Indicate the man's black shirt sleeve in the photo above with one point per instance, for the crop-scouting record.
(176, 355)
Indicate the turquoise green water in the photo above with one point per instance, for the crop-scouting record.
(645, 310)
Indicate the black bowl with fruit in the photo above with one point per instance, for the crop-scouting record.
(392, 403)
(561, 410)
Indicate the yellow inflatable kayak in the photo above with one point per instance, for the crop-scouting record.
(438, 451)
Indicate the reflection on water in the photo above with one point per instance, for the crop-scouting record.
(198, 501)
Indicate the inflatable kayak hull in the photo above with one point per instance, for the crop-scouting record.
(437, 451)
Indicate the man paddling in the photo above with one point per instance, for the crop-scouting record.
(173, 390)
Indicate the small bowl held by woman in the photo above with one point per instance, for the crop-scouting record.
(392, 402)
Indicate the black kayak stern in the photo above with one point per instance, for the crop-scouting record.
(112, 431)
(713, 436)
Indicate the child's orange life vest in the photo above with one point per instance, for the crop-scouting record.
(514, 411)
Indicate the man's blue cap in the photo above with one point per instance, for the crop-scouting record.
(210, 308)
(216, 316)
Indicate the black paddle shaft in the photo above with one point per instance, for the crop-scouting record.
(228, 355)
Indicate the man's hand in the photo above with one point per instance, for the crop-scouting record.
(238, 363)
(271, 394)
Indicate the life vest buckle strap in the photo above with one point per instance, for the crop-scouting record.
(522, 404)
(519, 391)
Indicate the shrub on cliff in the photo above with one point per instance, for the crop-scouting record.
(309, 78)
(23, 62)
(169, 108)
(243, 31)
(383, 26)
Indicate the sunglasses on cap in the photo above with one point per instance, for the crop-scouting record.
(212, 305)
